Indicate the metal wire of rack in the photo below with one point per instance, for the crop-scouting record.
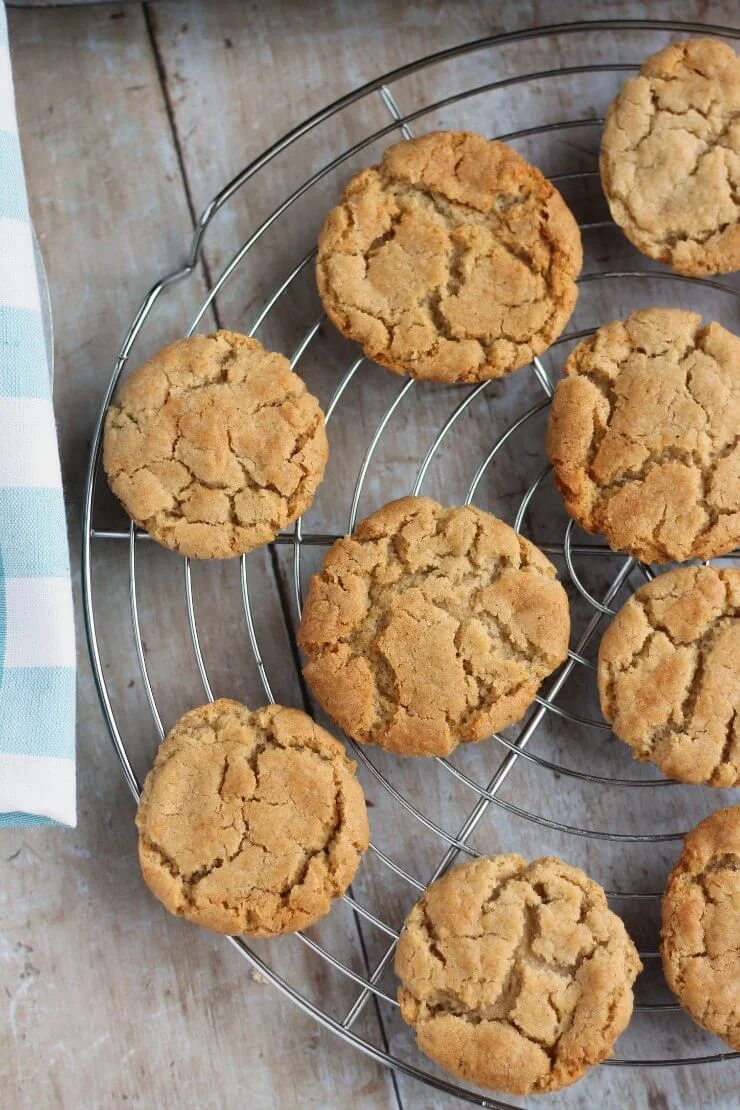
(516, 752)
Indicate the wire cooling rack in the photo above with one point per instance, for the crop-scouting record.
(521, 790)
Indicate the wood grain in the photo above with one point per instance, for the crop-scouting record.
(132, 118)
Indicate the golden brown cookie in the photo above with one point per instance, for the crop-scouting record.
(700, 934)
(515, 976)
(453, 260)
(250, 822)
(643, 436)
(214, 445)
(670, 157)
(669, 674)
(430, 627)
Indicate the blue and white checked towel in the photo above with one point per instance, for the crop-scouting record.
(37, 646)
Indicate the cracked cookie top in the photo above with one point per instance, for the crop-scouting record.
(669, 674)
(214, 445)
(430, 627)
(517, 977)
(250, 822)
(643, 436)
(670, 157)
(453, 260)
(700, 934)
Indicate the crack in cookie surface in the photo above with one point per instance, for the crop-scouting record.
(643, 436)
(670, 157)
(214, 445)
(516, 976)
(250, 822)
(453, 260)
(700, 934)
(669, 674)
(430, 627)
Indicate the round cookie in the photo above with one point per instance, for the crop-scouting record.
(515, 976)
(669, 674)
(670, 157)
(700, 933)
(214, 445)
(453, 260)
(430, 627)
(643, 436)
(250, 822)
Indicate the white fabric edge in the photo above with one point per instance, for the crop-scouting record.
(29, 444)
(38, 785)
(39, 623)
(8, 121)
(19, 287)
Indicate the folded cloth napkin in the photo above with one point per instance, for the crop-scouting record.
(37, 646)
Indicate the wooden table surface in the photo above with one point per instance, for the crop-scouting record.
(131, 118)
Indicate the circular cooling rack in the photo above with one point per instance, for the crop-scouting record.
(529, 783)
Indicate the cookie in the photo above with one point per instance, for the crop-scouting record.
(669, 674)
(250, 822)
(430, 627)
(643, 436)
(214, 445)
(515, 976)
(453, 260)
(700, 934)
(670, 157)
